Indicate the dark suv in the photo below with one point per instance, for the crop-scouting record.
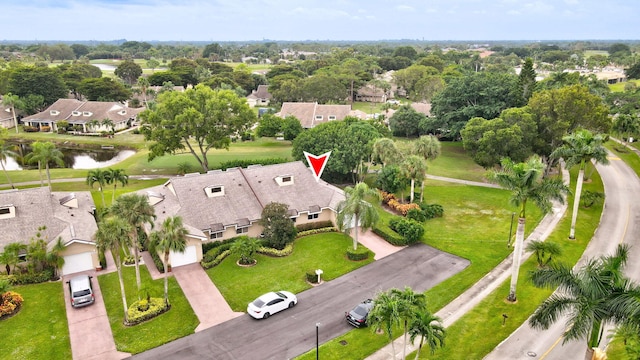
(358, 315)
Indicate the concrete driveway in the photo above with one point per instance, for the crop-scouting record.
(293, 332)
(89, 329)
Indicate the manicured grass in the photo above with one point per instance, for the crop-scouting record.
(619, 87)
(39, 330)
(326, 251)
(178, 322)
(626, 155)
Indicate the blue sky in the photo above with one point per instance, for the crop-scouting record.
(239, 20)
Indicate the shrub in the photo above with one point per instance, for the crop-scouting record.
(269, 251)
(214, 244)
(246, 162)
(213, 253)
(217, 260)
(31, 277)
(386, 197)
(130, 260)
(361, 253)
(411, 230)
(10, 303)
(156, 260)
(312, 277)
(316, 231)
(389, 236)
(432, 210)
(314, 225)
(30, 129)
(417, 215)
(154, 307)
(45, 128)
(589, 198)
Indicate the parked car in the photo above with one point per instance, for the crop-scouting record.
(81, 291)
(271, 303)
(358, 315)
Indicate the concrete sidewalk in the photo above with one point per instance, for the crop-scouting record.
(472, 297)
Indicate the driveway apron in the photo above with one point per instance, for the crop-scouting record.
(204, 297)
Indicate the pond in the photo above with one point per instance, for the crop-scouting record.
(74, 158)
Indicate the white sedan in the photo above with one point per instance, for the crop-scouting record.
(271, 303)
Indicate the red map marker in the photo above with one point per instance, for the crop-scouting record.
(317, 163)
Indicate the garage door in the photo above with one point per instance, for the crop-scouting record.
(186, 258)
(77, 263)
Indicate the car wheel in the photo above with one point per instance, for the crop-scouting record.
(291, 304)
(266, 315)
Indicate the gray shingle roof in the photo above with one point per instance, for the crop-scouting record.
(63, 109)
(307, 112)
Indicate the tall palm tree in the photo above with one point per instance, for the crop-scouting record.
(109, 123)
(98, 176)
(136, 210)
(430, 330)
(115, 176)
(385, 151)
(580, 148)
(113, 233)
(410, 303)
(385, 315)
(172, 237)
(355, 210)
(5, 151)
(12, 101)
(592, 295)
(45, 153)
(53, 258)
(526, 182)
(429, 148)
(414, 167)
(143, 84)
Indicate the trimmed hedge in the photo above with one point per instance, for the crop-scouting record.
(154, 307)
(361, 253)
(29, 277)
(390, 236)
(314, 225)
(217, 260)
(269, 251)
(411, 230)
(245, 163)
(156, 260)
(316, 231)
(417, 215)
(432, 210)
(312, 277)
(214, 244)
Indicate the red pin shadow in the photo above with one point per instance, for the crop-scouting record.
(317, 163)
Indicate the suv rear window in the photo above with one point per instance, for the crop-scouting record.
(81, 293)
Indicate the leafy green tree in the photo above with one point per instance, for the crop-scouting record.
(545, 251)
(172, 237)
(12, 102)
(199, 119)
(291, 128)
(113, 233)
(592, 295)
(128, 71)
(633, 72)
(356, 211)
(10, 256)
(115, 176)
(45, 153)
(246, 247)
(213, 50)
(278, 229)
(5, 151)
(43, 81)
(391, 180)
(153, 64)
(414, 168)
(405, 121)
(430, 330)
(98, 176)
(580, 148)
(429, 148)
(526, 182)
(269, 125)
(103, 89)
(136, 211)
(626, 125)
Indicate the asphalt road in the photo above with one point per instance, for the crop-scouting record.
(293, 332)
(620, 223)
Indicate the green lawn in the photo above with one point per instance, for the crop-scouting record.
(326, 251)
(178, 322)
(39, 330)
(618, 87)
(626, 155)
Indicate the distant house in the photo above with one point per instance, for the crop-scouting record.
(83, 116)
(370, 93)
(312, 114)
(6, 117)
(65, 215)
(260, 96)
(220, 204)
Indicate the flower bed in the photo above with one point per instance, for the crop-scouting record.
(10, 304)
(143, 310)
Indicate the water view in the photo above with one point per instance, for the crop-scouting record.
(73, 158)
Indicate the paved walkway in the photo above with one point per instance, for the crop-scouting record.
(375, 243)
(472, 297)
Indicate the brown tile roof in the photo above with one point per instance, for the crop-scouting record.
(312, 114)
(79, 112)
(263, 92)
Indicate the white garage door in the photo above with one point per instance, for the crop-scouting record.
(77, 263)
(186, 258)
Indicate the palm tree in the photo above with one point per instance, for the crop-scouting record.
(414, 167)
(143, 84)
(5, 151)
(45, 153)
(526, 182)
(429, 148)
(12, 101)
(545, 251)
(93, 124)
(53, 258)
(385, 151)
(580, 148)
(592, 295)
(115, 176)
(429, 328)
(113, 233)
(354, 210)
(171, 238)
(136, 210)
(108, 123)
(385, 314)
(98, 176)
(410, 303)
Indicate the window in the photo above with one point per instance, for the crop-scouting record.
(76, 113)
(5, 210)
(242, 230)
(332, 117)
(54, 112)
(87, 113)
(294, 219)
(318, 117)
(312, 216)
(215, 235)
(286, 179)
(216, 190)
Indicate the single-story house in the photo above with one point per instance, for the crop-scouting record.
(220, 204)
(6, 117)
(370, 93)
(88, 116)
(311, 114)
(260, 96)
(66, 215)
